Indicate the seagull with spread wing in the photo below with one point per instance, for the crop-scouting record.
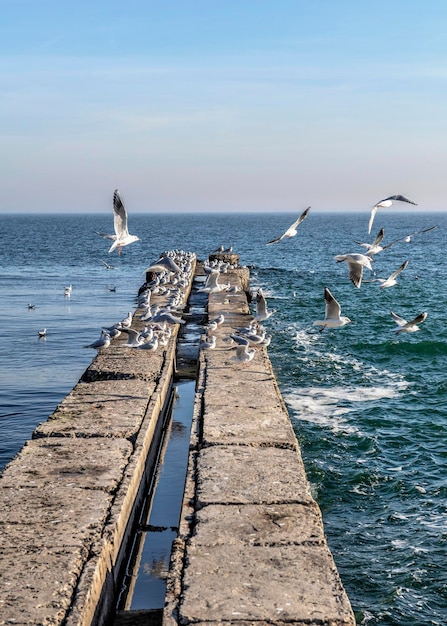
(391, 280)
(408, 327)
(356, 263)
(332, 319)
(385, 203)
(121, 237)
(292, 230)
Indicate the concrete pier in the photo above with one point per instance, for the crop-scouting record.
(250, 546)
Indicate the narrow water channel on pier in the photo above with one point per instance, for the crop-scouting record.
(145, 583)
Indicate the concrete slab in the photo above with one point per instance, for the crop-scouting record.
(83, 463)
(258, 525)
(290, 583)
(106, 408)
(250, 475)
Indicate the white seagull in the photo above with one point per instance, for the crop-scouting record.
(244, 354)
(164, 264)
(385, 203)
(292, 230)
(374, 247)
(332, 319)
(261, 307)
(407, 238)
(391, 280)
(121, 237)
(356, 263)
(42, 333)
(408, 327)
(102, 342)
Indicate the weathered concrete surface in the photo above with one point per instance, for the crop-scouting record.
(251, 547)
(67, 499)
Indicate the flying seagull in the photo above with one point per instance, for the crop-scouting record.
(292, 230)
(121, 237)
(262, 313)
(332, 319)
(407, 238)
(385, 203)
(356, 263)
(408, 327)
(374, 247)
(391, 280)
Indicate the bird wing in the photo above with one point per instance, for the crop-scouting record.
(355, 272)
(399, 198)
(398, 271)
(418, 319)
(373, 215)
(120, 216)
(291, 228)
(261, 304)
(398, 319)
(417, 232)
(333, 308)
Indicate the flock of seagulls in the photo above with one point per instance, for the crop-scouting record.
(356, 262)
(171, 274)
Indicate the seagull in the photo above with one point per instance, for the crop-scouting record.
(356, 263)
(407, 238)
(332, 319)
(102, 342)
(121, 237)
(31, 307)
(68, 290)
(391, 280)
(261, 307)
(385, 203)
(292, 230)
(374, 247)
(150, 345)
(208, 344)
(408, 327)
(164, 264)
(42, 333)
(106, 265)
(244, 354)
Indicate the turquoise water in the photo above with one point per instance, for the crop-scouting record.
(368, 406)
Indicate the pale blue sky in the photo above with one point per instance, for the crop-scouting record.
(222, 105)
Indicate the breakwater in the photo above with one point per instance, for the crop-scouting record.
(250, 544)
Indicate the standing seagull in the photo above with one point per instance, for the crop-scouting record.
(385, 203)
(121, 237)
(332, 319)
(292, 230)
(408, 327)
(356, 263)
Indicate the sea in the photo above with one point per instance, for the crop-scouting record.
(369, 406)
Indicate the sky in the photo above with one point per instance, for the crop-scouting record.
(222, 105)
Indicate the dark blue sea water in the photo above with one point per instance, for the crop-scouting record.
(369, 407)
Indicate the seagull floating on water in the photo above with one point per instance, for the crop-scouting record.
(42, 333)
(356, 263)
(292, 230)
(121, 237)
(408, 327)
(332, 319)
(385, 203)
